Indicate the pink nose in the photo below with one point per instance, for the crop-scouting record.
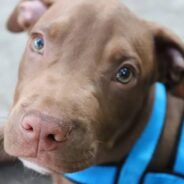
(44, 132)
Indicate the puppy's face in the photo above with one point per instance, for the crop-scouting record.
(86, 73)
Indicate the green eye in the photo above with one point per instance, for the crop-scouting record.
(124, 75)
(38, 44)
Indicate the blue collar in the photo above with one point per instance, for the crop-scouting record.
(140, 155)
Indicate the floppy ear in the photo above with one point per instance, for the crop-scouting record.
(12, 23)
(26, 14)
(169, 58)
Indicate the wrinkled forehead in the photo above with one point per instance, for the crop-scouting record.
(66, 15)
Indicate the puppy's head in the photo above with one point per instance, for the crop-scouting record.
(86, 73)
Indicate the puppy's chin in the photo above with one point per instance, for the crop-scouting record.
(34, 167)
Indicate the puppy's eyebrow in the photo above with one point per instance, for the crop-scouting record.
(40, 30)
(55, 29)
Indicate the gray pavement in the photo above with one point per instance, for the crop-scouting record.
(17, 174)
(168, 12)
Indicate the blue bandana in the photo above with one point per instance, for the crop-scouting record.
(133, 170)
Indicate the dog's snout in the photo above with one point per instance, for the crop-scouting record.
(44, 131)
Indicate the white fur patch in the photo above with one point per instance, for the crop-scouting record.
(34, 167)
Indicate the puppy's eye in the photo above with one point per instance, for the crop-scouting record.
(124, 75)
(38, 44)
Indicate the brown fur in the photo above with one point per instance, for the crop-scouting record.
(74, 80)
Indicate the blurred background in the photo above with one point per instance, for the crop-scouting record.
(167, 12)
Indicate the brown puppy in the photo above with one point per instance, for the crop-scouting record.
(73, 108)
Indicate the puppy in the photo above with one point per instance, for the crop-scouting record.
(88, 94)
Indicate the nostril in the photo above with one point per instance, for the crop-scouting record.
(31, 124)
(51, 137)
(27, 126)
(56, 137)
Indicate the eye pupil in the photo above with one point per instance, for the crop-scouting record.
(38, 43)
(124, 75)
(124, 72)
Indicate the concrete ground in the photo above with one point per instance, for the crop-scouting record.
(167, 12)
(17, 174)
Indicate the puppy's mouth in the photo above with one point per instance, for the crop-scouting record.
(35, 167)
(46, 164)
